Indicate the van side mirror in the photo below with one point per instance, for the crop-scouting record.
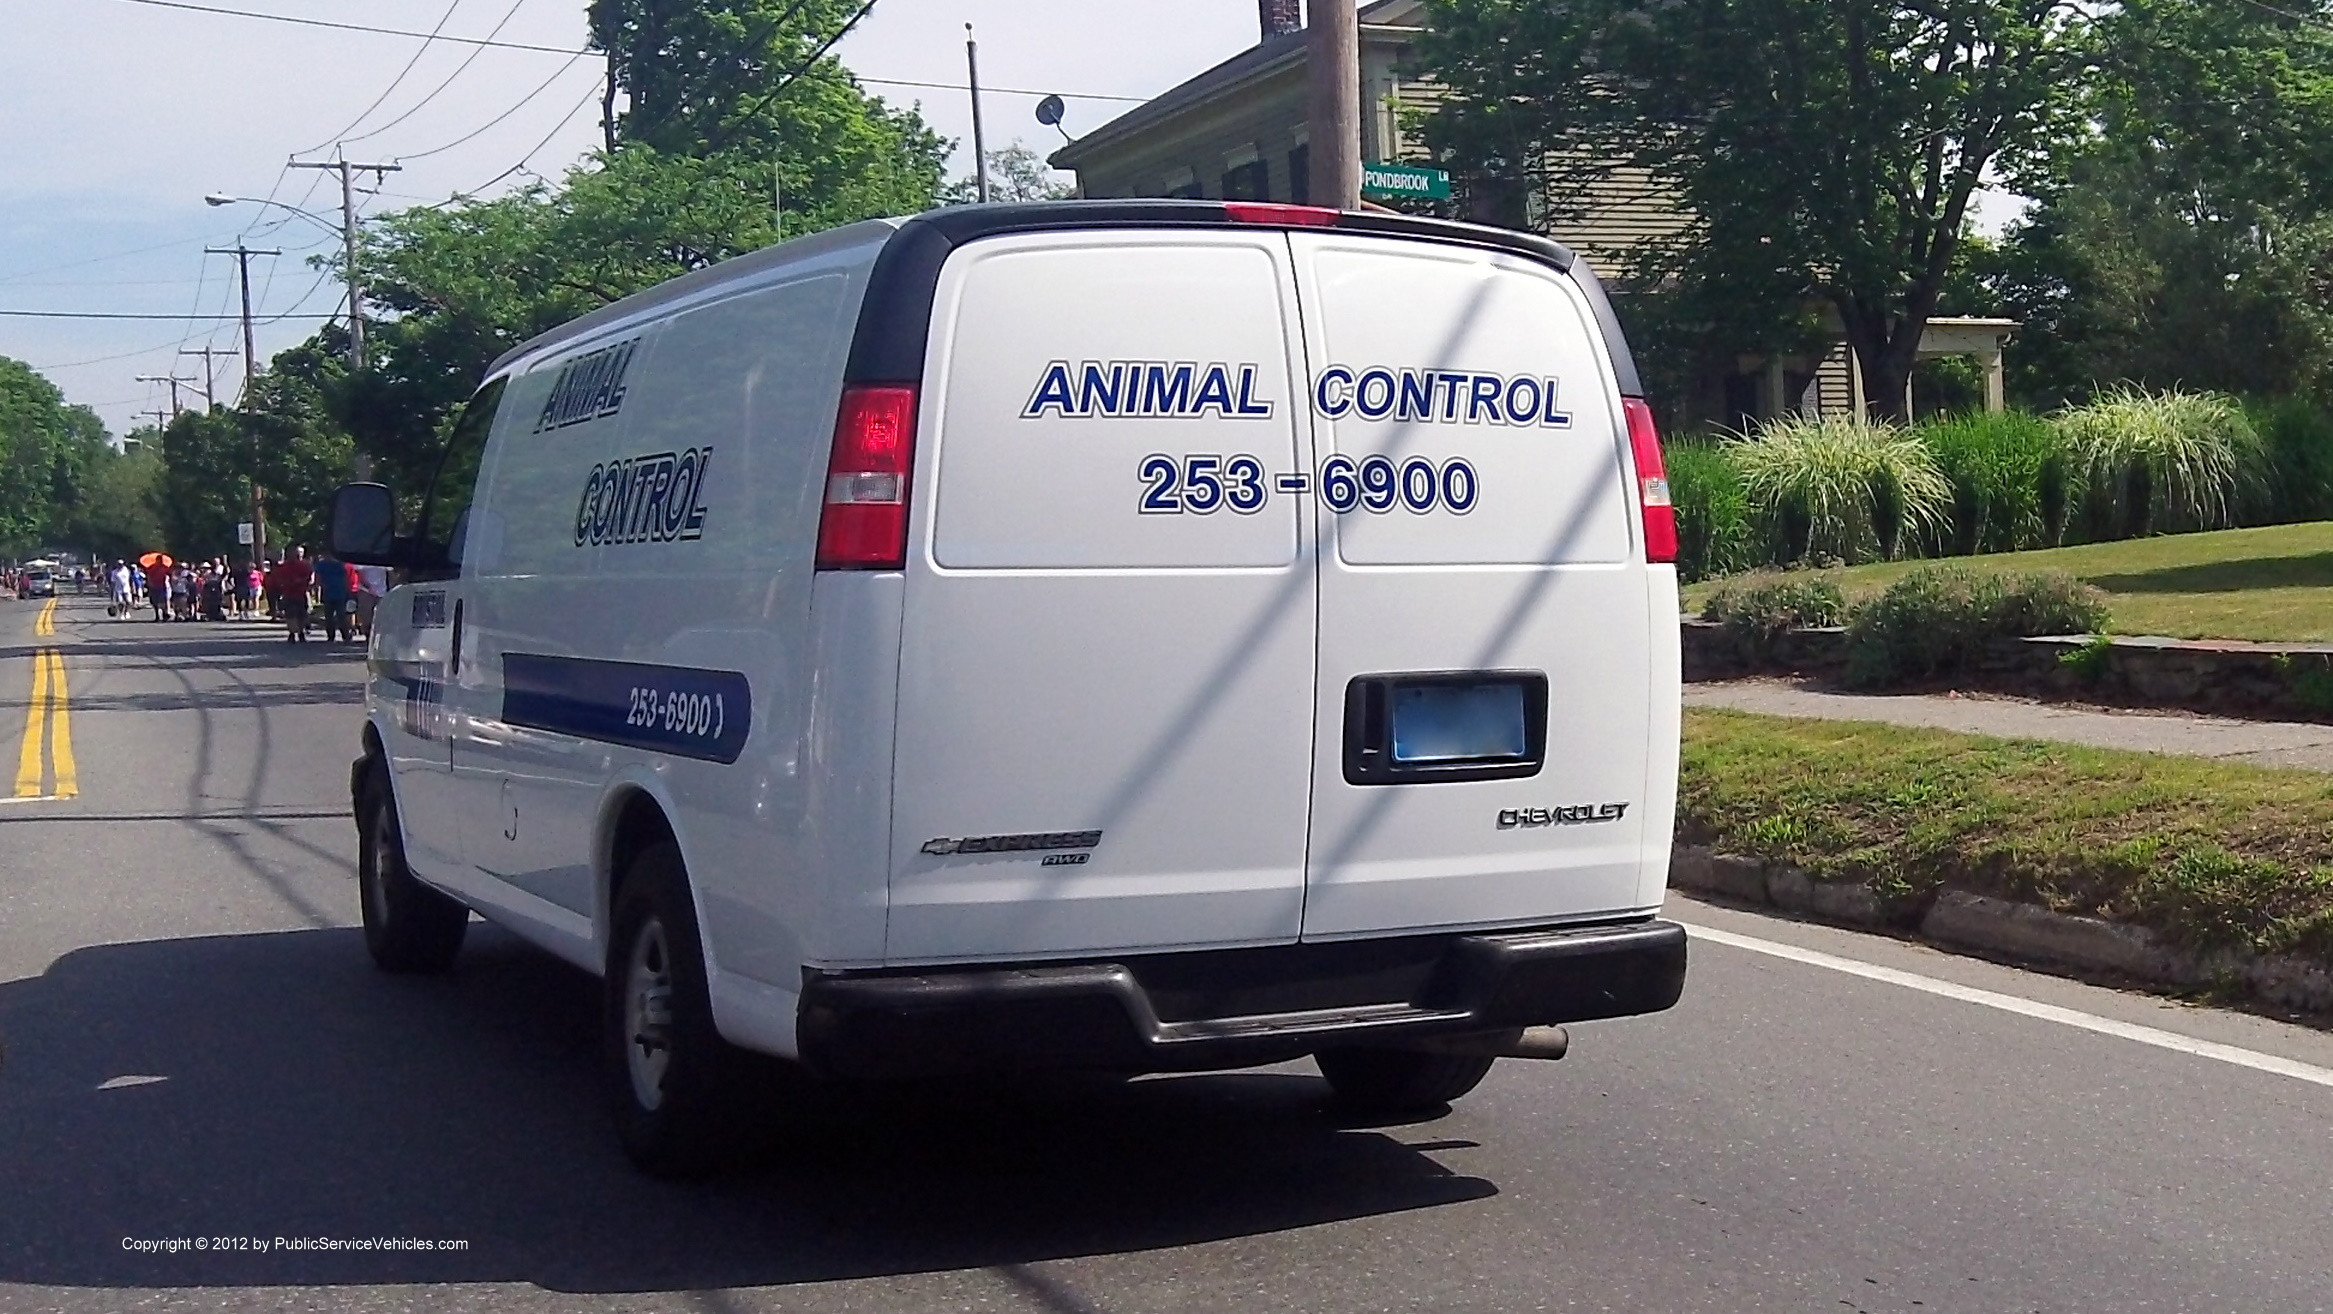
(362, 527)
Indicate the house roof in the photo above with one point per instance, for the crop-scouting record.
(1250, 65)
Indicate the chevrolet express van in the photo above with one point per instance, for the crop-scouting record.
(1135, 636)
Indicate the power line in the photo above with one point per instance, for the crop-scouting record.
(459, 69)
(395, 82)
(105, 360)
(524, 101)
(556, 129)
(128, 314)
(569, 50)
(348, 27)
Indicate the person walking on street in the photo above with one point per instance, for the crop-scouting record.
(294, 577)
(333, 592)
(372, 585)
(158, 589)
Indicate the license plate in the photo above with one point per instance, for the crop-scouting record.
(1450, 722)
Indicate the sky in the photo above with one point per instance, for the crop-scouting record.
(120, 117)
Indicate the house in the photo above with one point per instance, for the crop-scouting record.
(1237, 132)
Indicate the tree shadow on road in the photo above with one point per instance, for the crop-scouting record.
(302, 1094)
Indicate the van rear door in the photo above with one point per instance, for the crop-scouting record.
(1106, 676)
(1483, 712)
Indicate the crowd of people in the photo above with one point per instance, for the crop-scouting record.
(296, 592)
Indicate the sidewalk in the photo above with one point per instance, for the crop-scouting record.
(2262, 743)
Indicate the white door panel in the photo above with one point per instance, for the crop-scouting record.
(1074, 663)
(1432, 356)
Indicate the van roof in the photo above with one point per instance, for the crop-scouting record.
(894, 321)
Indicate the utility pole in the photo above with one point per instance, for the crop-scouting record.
(778, 192)
(348, 170)
(161, 419)
(1333, 107)
(173, 380)
(210, 372)
(243, 256)
(972, 78)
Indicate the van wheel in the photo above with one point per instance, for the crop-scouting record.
(1400, 1080)
(409, 927)
(670, 1076)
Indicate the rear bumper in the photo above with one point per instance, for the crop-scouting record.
(1187, 1012)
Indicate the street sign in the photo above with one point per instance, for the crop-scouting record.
(1387, 181)
(243, 532)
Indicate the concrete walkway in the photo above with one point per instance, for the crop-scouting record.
(2263, 743)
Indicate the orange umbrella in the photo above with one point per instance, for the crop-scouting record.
(153, 559)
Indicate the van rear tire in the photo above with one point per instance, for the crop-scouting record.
(409, 927)
(1400, 1080)
(672, 1081)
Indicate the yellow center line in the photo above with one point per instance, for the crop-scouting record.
(61, 729)
(28, 760)
(46, 623)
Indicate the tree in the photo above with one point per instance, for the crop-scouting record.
(2189, 237)
(1015, 173)
(1826, 150)
(46, 448)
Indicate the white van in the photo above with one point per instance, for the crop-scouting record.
(1127, 635)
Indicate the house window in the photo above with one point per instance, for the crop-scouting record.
(1300, 175)
(1251, 181)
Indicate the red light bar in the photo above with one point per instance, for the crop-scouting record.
(863, 525)
(1652, 482)
(1286, 216)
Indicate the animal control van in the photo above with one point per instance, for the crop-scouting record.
(1135, 635)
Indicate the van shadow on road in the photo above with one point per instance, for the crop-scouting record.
(303, 1094)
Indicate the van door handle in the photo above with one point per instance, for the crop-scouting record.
(454, 660)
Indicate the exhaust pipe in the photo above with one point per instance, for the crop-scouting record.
(1520, 1042)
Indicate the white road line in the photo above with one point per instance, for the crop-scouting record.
(2105, 1026)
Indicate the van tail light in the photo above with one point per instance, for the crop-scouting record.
(863, 525)
(1652, 482)
(1270, 212)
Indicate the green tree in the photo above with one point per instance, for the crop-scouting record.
(2189, 237)
(46, 450)
(1825, 150)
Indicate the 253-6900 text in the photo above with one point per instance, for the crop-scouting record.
(675, 712)
(1204, 483)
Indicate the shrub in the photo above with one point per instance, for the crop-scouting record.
(1938, 619)
(1714, 536)
(2173, 460)
(2297, 436)
(2007, 478)
(1756, 609)
(1836, 486)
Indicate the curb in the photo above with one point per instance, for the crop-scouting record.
(2023, 932)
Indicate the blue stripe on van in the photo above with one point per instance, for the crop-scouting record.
(680, 710)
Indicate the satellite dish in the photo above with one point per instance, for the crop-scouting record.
(1049, 111)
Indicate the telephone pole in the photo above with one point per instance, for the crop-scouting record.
(173, 380)
(1333, 107)
(161, 419)
(348, 170)
(243, 256)
(210, 371)
(972, 78)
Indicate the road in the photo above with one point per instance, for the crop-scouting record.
(195, 1046)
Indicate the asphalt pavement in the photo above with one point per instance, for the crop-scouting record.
(196, 1047)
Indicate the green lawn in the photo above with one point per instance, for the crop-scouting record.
(2210, 852)
(2273, 583)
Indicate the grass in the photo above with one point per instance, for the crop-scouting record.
(2210, 853)
(2274, 583)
